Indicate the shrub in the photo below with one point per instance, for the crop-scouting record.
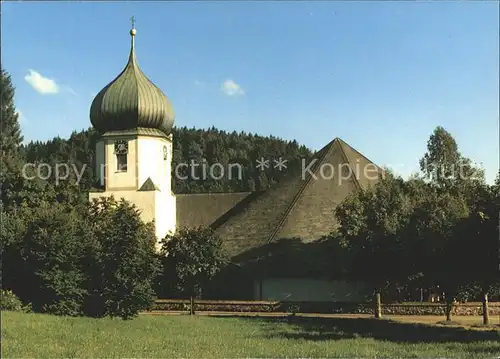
(98, 260)
(44, 261)
(10, 301)
(121, 262)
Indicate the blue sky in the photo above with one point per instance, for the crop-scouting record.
(380, 75)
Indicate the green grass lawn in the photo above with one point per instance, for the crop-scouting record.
(44, 336)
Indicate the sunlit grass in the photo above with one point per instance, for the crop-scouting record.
(44, 336)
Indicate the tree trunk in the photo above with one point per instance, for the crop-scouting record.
(378, 305)
(191, 305)
(449, 307)
(486, 314)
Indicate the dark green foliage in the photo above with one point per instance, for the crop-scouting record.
(75, 156)
(9, 118)
(120, 261)
(377, 213)
(19, 183)
(99, 262)
(201, 146)
(440, 163)
(195, 256)
(438, 233)
(445, 167)
(55, 253)
(11, 181)
(477, 244)
(42, 258)
(432, 230)
(371, 222)
(442, 223)
(215, 146)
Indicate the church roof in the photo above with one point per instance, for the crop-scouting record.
(297, 208)
(202, 209)
(131, 101)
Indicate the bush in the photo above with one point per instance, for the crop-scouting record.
(98, 260)
(44, 261)
(9, 301)
(121, 262)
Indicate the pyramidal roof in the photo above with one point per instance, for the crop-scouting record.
(300, 207)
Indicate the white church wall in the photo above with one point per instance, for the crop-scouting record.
(99, 161)
(117, 180)
(165, 214)
(145, 159)
(144, 201)
(153, 205)
(151, 162)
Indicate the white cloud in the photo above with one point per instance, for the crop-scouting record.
(231, 88)
(41, 84)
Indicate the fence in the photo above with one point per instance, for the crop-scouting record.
(183, 305)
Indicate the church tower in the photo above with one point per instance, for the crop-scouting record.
(134, 153)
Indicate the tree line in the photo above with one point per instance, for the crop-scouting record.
(208, 146)
(438, 229)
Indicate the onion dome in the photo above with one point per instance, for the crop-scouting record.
(131, 101)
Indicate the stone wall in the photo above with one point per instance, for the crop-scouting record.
(468, 309)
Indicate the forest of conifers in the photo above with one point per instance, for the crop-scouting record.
(190, 144)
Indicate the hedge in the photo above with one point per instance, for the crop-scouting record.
(180, 305)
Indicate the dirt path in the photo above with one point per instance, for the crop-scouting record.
(465, 321)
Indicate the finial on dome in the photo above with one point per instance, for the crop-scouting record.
(131, 101)
(133, 31)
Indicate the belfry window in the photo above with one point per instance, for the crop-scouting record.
(121, 163)
(121, 152)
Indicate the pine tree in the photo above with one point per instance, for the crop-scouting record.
(9, 120)
(10, 159)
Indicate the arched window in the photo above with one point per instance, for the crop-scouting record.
(121, 152)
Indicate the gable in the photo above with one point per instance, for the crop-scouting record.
(300, 207)
(364, 169)
(312, 215)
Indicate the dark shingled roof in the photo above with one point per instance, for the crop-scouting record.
(202, 209)
(298, 207)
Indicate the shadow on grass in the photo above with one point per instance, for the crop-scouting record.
(317, 329)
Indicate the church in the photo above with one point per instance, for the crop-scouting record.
(265, 232)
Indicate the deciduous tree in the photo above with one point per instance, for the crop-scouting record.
(371, 221)
(120, 260)
(195, 256)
